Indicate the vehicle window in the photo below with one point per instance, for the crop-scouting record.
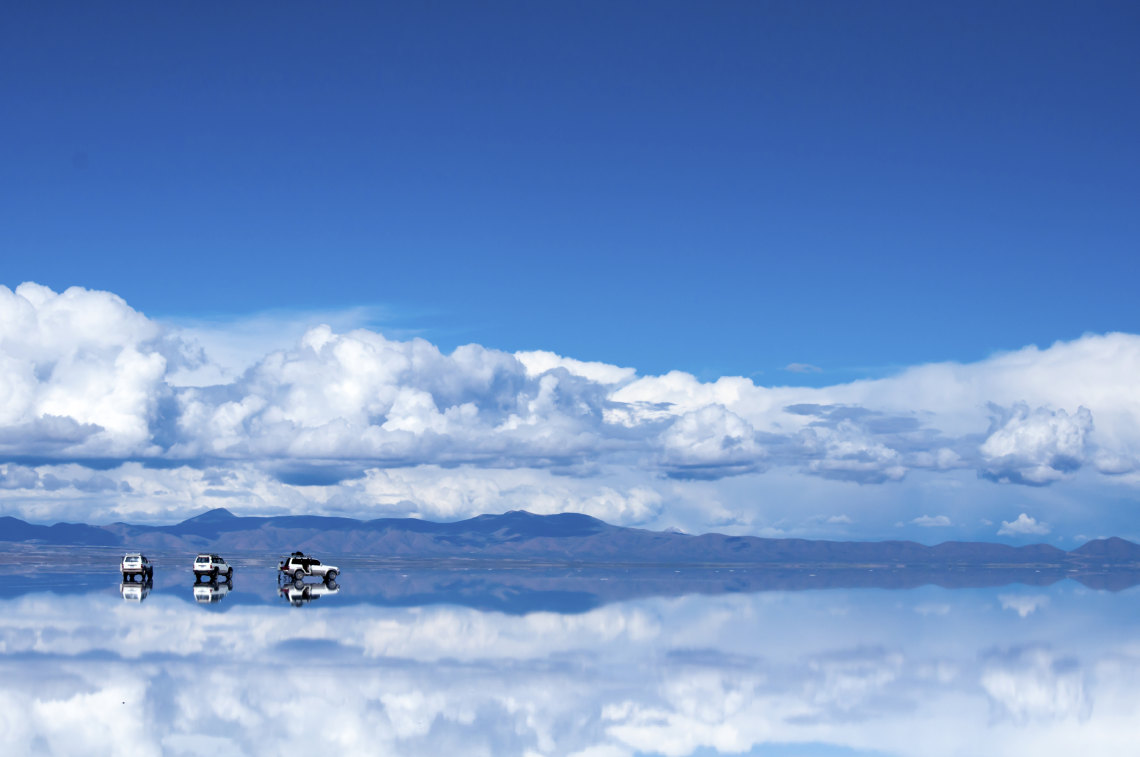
(314, 562)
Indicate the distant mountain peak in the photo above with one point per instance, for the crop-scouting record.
(211, 516)
(1112, 548)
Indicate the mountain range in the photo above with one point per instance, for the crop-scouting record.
(561, 538)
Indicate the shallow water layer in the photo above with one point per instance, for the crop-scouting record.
(555, 660)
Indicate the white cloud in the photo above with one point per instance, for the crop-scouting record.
(448, 494)
(14, 476)
(847, 451)
(1024, 525)
(538, 362)
(710, 440)
(83, 375)
(1036, 447)
(929, 521)
(235, 344)
(80, 372)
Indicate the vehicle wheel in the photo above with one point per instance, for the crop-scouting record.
(298, 574)
(330, 577)
(214, 574)
(230, 574)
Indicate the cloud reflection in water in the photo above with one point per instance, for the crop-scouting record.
(863, 669)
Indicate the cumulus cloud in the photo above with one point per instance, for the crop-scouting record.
(1035, 446)
(538, 362)
(81, 372)
(710, 441)
(931, 521)
(1023, 526)
(86, 378)
(18, 477)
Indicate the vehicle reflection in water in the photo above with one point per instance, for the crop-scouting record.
(299, 593)
(211, 591)
(135, 591)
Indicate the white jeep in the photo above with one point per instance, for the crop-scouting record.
(211, 566)
(298, 565)
(135, 564)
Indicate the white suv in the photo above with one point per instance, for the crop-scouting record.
(134, 564)
(212, 566)
(298, 565)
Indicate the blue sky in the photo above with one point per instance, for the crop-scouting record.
(930, 210)
(721, 189)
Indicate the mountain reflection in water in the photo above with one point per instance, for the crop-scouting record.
(407, 659)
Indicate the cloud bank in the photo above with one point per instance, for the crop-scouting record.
(357, 422)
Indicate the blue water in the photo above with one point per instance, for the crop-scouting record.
(530, 660)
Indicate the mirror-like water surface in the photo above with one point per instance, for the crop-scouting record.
(547, 660)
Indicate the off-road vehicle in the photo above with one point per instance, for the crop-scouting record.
(298, 565)
(211, 566)
(135, 564)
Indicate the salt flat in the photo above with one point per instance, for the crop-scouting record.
(417, 659)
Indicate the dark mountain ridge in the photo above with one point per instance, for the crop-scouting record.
(562, 538)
